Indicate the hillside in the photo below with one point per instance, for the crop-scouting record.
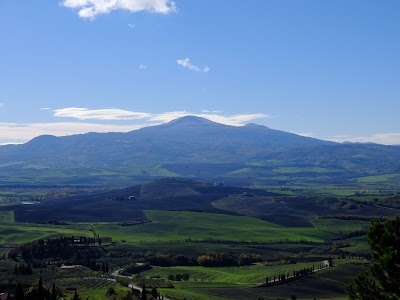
(196, 148)
(129, 204)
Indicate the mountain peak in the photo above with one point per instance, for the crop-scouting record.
(254, 125)
(190, 121)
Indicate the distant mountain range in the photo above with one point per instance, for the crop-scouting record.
(196, 148)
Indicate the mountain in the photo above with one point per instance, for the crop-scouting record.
(190, 147)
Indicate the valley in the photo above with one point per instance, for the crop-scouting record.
(170, 226)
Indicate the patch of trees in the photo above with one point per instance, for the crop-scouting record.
(347, 235)
(93, 265)
(163, 260)
(393, 201)
(354, 217)
(224, 259)
(23, 269)
(179, 277)
(135, 268)
(134, 222)
(61, 247)
(295, 275)
(38, 292)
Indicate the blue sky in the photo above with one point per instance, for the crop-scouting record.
(327, 69)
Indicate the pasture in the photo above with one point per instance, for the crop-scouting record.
(19, 233)
(245, 276)
(241, 282)
(182, 225)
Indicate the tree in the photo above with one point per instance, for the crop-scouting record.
(40, 291)
(144, 293)
(19, 292)
(381, 281)
(76, 296)
(53, 293)
(185, 276)
(171, 277)
(178, 277)
(154, 292)
(110, 291)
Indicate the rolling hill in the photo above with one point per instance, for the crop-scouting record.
(173, 194)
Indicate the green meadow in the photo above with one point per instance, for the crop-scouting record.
(182, 225)
(19, 233)
(243, 282)
(7, 217)
(244, 276)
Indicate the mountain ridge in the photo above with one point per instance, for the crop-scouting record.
(190, 146)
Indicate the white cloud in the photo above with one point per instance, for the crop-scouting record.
(120, 114)
(99, 114)
(89, 9)
(45, 108)
(142, 67)
(185, 62)
(11, 133)
(210, 111)
(131, 25)
(379, 138)
(14, 133)
(306, 134)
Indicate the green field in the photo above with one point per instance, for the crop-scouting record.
(19, 233)
(241, 282)
(6, 217)
(326, 284)
(244, 276)
(300, 170)
(359, 245)
(386, 178)
(181, 225)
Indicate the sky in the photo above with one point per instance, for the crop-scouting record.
(326, 69)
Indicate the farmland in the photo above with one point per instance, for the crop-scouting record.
(180, 226)
(284, 230)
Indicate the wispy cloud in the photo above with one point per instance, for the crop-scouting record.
(121, 115)
(131, 25)
(45, 108)
(142, 67)
(306, 134)
(185, 62)
(99, 114)
(13, 133)
(89, 9)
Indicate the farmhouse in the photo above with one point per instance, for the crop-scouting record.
(71, 267)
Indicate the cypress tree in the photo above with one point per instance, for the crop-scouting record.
(144, 293)
(53, 293)
(40, 293)
(19, 292)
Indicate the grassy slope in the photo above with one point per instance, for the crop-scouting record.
(326, 284)
(180, 225)
(7, 217)
(240, 282)
(244, 276)
(18, 233)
